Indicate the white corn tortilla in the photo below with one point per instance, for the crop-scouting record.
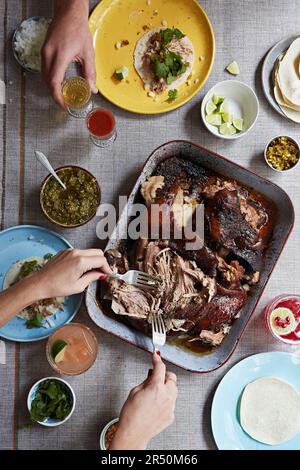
(140, 49)
(270, 410)
(288, 74)
(12, 276)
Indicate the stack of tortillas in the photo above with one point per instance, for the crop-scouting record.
(287, 81)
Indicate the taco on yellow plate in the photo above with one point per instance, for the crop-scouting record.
(164, 59)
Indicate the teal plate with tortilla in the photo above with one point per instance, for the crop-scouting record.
(226, 428)
(21, 242)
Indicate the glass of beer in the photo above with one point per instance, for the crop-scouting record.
(76, 93)
(72, 349)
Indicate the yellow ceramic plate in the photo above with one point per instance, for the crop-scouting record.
(116, 20)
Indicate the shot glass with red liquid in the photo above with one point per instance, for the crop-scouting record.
(101, 126)
(282, 316)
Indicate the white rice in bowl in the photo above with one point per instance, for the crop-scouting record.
(28, 41)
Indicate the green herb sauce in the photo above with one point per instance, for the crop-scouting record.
(77, 203)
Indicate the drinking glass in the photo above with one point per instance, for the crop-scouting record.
(76, 93)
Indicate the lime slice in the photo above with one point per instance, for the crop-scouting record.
(233, 68)
(210, 108)
(282, 321)
(227, 129)
(58, 350)
(227, 117)
(238, 123)
(224, 108)
(214, 119)
(217, 99)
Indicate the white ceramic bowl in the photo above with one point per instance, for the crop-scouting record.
(243, 103)
(104, 431)
(269, 164)
(49, 421)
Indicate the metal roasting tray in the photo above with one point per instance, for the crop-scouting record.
(181, 357)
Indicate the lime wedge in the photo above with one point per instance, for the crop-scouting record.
(227, 129)
(214, 119)
(233, 68)
(224, 108)
(217, 99)
(282, 321)
(210, 108)
(58, 350)
(227, 117)
(238, 123)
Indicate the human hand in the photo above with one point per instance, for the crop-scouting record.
(148, 410)
(69, 272)
(68, 39)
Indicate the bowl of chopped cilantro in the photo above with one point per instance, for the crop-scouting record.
(51, 401)
(77, 204)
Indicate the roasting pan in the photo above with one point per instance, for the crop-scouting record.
(284, 222)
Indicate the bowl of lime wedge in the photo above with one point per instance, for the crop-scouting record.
(230, 109)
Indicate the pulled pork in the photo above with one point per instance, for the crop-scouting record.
(202, 291)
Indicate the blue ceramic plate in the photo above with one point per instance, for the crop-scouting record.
(226, 428)
(18, 243)
(267, 71)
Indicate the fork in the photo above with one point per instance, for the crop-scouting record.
(158, 332)
(136, 278)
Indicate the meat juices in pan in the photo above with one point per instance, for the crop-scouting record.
(201, 291)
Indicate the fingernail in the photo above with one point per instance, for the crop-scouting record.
(158, 353)
(103, 277)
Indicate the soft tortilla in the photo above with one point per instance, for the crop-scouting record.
(140, 49)
(288, 74)
(291, 113)
(12, 276)
(270, 410)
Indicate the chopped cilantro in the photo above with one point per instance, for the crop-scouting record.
(52, 400)
(166, 35)
(27, 268)
(168, 65)
(48, 256)
(173, 94)
(161, 70)
(35, 322)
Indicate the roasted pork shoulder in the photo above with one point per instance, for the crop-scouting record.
(202, 291)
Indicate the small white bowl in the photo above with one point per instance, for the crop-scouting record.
(49, 422)
(104, 431)
(269, 164)
(243, 103)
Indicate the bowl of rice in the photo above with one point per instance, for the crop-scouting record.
(28, 40)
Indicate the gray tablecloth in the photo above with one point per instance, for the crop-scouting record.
(245, 30)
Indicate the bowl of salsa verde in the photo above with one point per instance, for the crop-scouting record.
(74, 206)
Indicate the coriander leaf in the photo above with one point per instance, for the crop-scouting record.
(170, 78)
(35, 322)
(52, 400)
(178, 34)
(160, 68)
(27, 268)
(173, 94)
(48, 256)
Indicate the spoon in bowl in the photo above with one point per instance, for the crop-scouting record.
(44, 161)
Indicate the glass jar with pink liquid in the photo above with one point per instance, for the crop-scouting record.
(282, 317)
